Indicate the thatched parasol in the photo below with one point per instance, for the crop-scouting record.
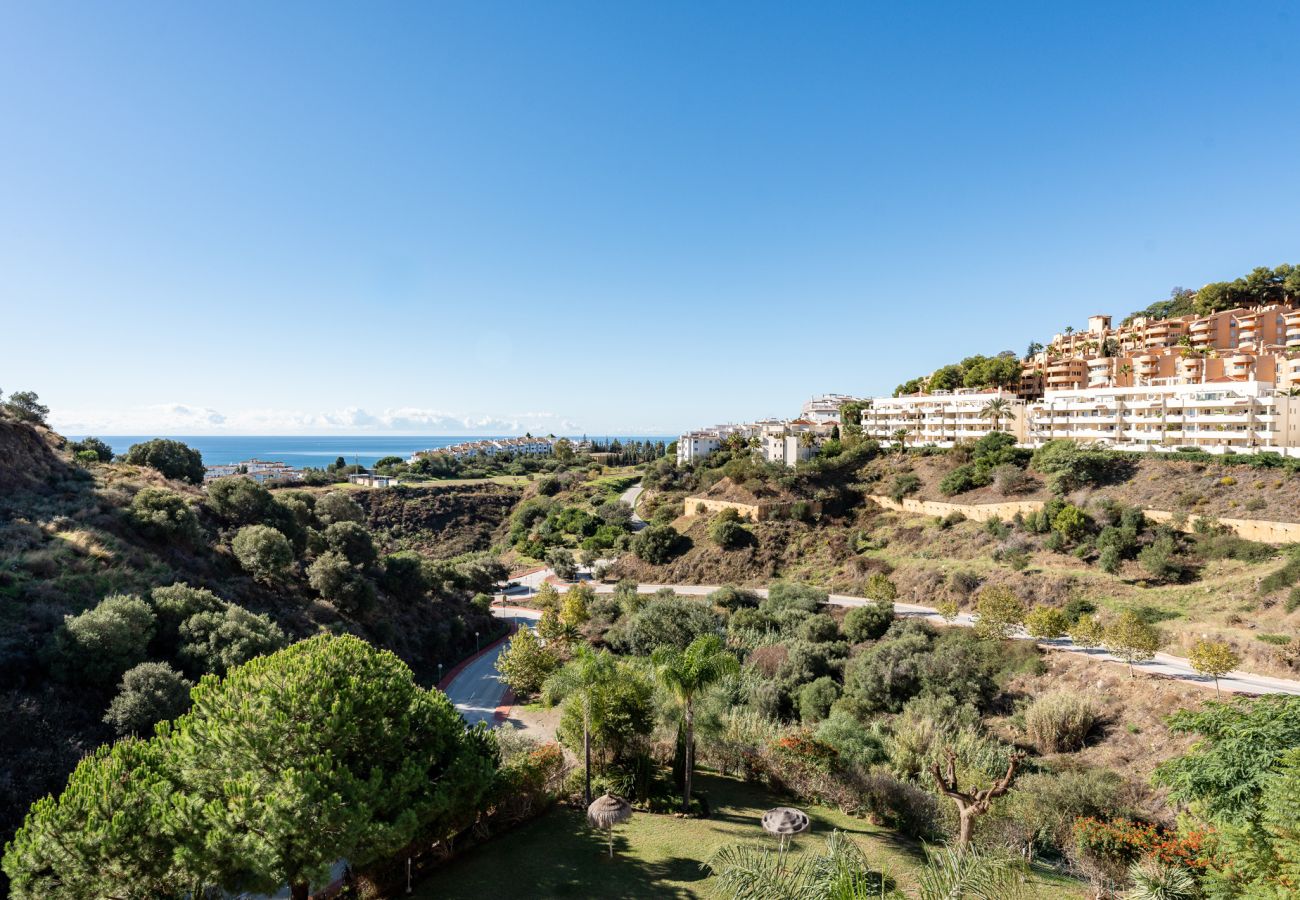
(785, 822)
(606, 812)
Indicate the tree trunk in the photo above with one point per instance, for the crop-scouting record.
(965, 827)
(299, 890)
(586, 757)
(690, 758)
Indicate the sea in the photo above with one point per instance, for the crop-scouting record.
(301, 451)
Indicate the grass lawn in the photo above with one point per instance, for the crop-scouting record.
(558, 855)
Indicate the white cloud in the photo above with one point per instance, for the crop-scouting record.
(185, 419)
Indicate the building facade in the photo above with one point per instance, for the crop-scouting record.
(944, 418)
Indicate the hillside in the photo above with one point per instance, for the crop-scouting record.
(1190, 583)
(75, 533)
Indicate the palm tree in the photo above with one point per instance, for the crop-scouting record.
(995, 409)
(900, 436)
(969, 874)
(583, 678)
(841, 871)
(687, 673)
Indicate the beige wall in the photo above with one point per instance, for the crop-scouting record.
(756, 511)
(1264, 531)
(980, 512)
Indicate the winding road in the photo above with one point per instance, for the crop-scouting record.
(481, 697)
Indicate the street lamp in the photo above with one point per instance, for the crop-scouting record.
(439, 673)
(476, 644)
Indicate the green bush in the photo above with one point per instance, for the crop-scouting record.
(353, 541)
(172, 458)
(667, 622)
(164, 514)
(340, 582)
(868, 622)
(263, 552)
(98, 450)
(239, 501)
(148, 694)
(962, 479)
(904, 485)
(815, 699)
(337, 506)
(727, 533)
(658, 544)
(99, 645)
(217, 640)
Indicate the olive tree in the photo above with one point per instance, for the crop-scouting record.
(263, 552)
(172, 458)
(100, 644)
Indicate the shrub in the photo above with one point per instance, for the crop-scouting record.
(339, 582)
(868, 622)
(658, 544)
(1010, 479)
(727, 533)
(1160, 559)
(404, 576)
(351, 540)
(1071, 523)
(164, 514)
(1109, 560)
(1072, 466)
(879, 587)
(218, 640)
(263, 552)
(962, 479)
(98, 450)
(239, 501)
(668, 622)
(172, 458)
(99, 645)
(855, 744)
(816, 697)
(561, 561)
(793, 595)
(1059, 722)
(337, 506)
(903, 485)
(732, 598)
(888, 673)
(148, 694)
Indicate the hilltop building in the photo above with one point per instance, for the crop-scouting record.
(521, 446)
(259, 470)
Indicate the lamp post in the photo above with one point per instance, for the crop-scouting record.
(476, 643)
(439, 673)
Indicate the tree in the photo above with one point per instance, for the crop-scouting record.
(337, 506)
(686, 674)
(815, 698)
(563, 450)
(99, 450)
(1071, 523)
(667, 622)
(869, 621)
(998, 613)
(1213, 658)
(1087, 631)
(526, 663)
(325, 750)
(658, 544)
(1046, 622)
(573, 610)
(172, 458)
(352, 541)
(588, 672)
(105, 835)
(239, 501)
(25, 406)
(263, 552)
(996, 409)
(340, 582)
(1131, 639)
(99, 645)
(561, 562)
(971, 804)
(900, 437)
(164, 514)
(149, 693)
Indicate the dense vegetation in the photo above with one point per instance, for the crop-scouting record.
(1261, 287)
(122, 586)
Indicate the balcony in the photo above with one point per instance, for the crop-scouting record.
(1202, 327)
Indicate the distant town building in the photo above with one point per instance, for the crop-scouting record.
(259, 470)
(825, 408)
(528, 446)
(367, 479)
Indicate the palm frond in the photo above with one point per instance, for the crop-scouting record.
(952, 874)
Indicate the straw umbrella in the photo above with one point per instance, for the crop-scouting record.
(606, 812)
(785, 822)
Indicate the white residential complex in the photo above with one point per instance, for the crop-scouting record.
(1222, 416)
(259, 470)
(521, 446)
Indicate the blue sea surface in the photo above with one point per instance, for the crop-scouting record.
(317, 451)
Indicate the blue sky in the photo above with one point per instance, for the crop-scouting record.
(617, 217)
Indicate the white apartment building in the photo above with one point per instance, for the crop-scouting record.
(1240, 416)
(529, 446)
(824, 409)
(787, 449)
(945, 418)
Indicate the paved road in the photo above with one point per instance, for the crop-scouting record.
(477, 690)
(1162, 664)
(630, 497)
